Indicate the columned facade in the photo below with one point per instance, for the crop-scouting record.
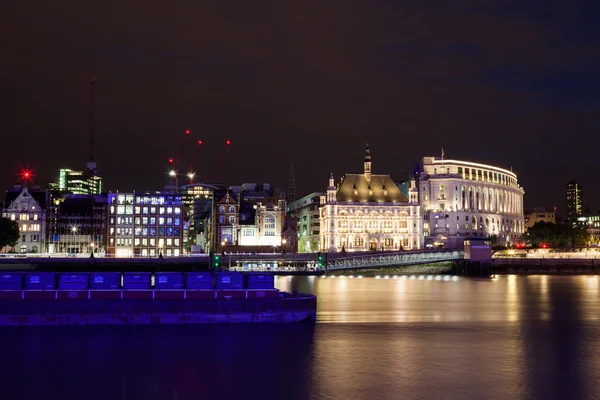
(461, 199)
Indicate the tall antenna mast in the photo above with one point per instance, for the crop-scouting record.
(91, 164)
(291, 191)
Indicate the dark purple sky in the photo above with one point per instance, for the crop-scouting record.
(506, 82)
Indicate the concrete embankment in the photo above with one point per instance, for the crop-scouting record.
(104, 264)
(565, 266)
(298, 308)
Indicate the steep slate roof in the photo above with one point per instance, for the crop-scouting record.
(40, 196)
(378, 184)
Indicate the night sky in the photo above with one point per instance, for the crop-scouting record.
(506, 82)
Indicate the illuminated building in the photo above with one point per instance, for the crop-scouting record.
(76, 182)
(461, 199)
(144, 225)
(197, 201)
(306, 211)
(368, 212)
(76, 224)
(28, 208)
(591, 223)
(539, 214)
(574, 201)
(251, 215)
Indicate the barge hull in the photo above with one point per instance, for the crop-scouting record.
(138, 311)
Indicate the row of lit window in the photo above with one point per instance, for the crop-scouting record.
(146, 221)
(29, 228)
(360, 242)
(153, 200)
(24, 217)
(145, 242)
(144, 231)
(130, 210)
(489, 176)
(372, 224)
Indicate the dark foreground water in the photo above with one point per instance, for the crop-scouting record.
(508, 338)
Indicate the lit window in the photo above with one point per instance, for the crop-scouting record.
(231, 209)
(222, 209)
(35, 217)
(232, 219)
(161, 210)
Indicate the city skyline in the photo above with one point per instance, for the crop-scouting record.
(282, 84)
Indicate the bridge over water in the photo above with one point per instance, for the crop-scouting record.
(276, 262)
(393, 259)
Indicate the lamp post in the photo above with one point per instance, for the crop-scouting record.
(283, 246)
(173, 174)
(73, 232)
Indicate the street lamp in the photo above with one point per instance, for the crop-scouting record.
(173, 174)
(283, 246)
(92, 250)
(74, 231)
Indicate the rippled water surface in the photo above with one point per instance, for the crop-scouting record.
(420, 338)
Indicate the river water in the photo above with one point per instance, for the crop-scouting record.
(514, 337)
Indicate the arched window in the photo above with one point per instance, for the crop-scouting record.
(222, 209)
(231, 209)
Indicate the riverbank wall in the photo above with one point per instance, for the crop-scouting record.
(560, 266)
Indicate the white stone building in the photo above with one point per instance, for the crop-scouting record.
(268, 224)
(369, 212)
(29, 210)
(461, 199)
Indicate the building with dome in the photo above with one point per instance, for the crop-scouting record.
(369, 212)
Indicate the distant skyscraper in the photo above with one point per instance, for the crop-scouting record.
(574, 200)
(77, 182)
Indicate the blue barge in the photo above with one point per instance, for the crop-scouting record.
(47, 298)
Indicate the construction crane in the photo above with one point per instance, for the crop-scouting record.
(223, 158)
(192, 168)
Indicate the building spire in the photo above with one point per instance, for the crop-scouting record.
(331, 190)
(367, 164)
(291, 190)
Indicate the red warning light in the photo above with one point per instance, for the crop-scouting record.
(544, 245)
(199, 141)
(26, 174)
(187, 131)
(170, 161)
(228, 142)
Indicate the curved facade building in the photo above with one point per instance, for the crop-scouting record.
(461, 199)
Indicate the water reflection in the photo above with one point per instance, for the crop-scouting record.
(408, 338)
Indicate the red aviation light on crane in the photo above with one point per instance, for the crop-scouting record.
(187, 131)
(228, 142)
(199, 141)
(170, 161)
